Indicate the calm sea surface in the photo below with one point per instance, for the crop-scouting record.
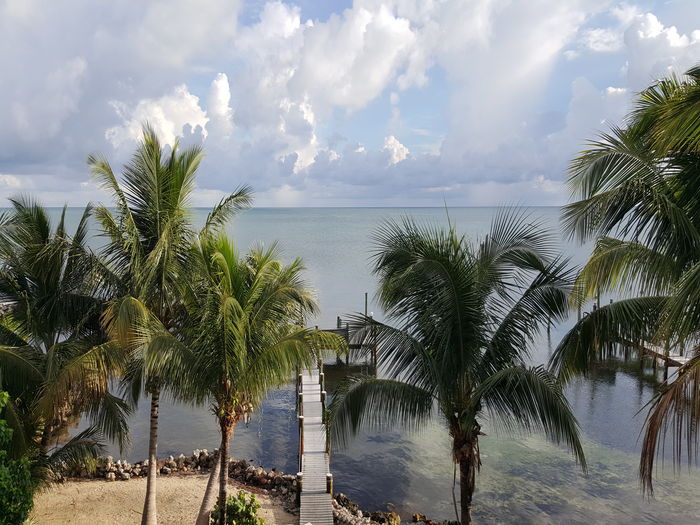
(524, 479)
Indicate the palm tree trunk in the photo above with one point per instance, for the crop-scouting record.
(209, 494)
(467, 481)
(150, 513)
(226, 431)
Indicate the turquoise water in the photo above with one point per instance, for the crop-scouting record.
(524, 479)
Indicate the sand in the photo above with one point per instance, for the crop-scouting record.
(98, 502)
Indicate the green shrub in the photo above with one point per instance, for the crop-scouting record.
(239, 510)
(15, 479)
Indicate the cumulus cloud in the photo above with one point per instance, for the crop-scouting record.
(655, 50)
(310, 111)
(168, 115)
(397, 151)
(219, 110)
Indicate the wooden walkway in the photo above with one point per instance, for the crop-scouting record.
(670, 359)
(316, 488)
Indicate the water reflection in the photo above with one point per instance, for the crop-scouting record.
(524, 479)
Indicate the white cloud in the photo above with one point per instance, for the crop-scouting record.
(168, 115)
(300, 108)
(602, 40)
(11, 182)
(655, 50)
(397, 151)
(219, 109)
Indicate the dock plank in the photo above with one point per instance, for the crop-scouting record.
(315, 503)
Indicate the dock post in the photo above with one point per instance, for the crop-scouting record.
(329, 483)
(347, 337)
(301, 403)
(301, 436)
(300, 477)
(323, 406)
(339, 323)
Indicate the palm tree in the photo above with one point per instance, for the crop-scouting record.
(638, 191)
(464, 316)
(54, 360)
(149, 249)
(251, 306)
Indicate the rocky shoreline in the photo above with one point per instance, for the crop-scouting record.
(277, 485)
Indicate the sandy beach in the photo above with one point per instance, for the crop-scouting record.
(98, 502)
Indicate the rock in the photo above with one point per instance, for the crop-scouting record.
(165, 470)
(110, 476)
(390, 518)
(344, 501)
(125, 476)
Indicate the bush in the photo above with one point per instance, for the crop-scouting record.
(15, 479)
(239, 510)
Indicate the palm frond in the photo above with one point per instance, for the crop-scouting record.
(532, 398)
(240, 199)
(376, 404)
(675, 410)
(625, 324)
(625, 266)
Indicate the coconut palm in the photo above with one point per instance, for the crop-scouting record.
(251, 306)
(149, 250)
(464, 316)
(638, 197)
(54, 360)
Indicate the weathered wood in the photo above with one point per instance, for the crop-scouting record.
(669, 359)
(315, 501)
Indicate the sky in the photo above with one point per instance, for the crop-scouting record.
(329, 103)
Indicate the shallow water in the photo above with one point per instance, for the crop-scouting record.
(524, 479)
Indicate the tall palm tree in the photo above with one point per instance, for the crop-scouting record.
(251, 306)
(464, 315)
(149, 249)
(638, 191)
(54, 360)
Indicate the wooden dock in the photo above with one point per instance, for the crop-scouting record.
(315, 496)
(667, 357)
